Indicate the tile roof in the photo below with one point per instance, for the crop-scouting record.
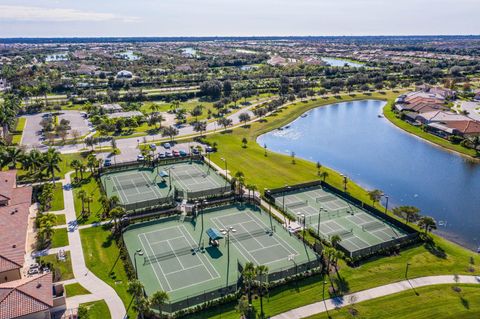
(465, 127)
(26, 296)
(7, 183)
(441, 116)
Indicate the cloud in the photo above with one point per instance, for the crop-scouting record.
(26, 13)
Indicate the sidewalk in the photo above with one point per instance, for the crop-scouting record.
(331, 304)
(98, 288)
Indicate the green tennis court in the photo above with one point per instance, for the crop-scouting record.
(330, 215)
(179, 259)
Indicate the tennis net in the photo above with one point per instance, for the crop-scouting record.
(345, 234)
(168, 255)
(130, 186)
(373, 226)
(256, 233)
(189, 175)
(297, 204)
(325, 198)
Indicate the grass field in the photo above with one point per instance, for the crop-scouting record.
(102, 257)
(92, 189)
(65, 267)
(97, 310)
(60, 220)
(17, 134)
(439, 302)
(57, 200)
(75, 289)
(390, 115)
(60, 238)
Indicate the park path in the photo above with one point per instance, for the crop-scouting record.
(98, 288)
(331, 304)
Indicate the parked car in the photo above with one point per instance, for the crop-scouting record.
(167, 145)
(195, 151)
(209, 149)
(176, 153)
(183, 153)
(107, 162)
(161, 155)
(153, 147)
(168, 154)
(140, 157)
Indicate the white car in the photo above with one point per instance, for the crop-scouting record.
(140, 157)
(478, 278)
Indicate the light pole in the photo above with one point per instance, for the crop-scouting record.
(266, 191)
(226, 171)
(138, 252)
(406, 271)
(205, 202)
(386, 203)
(319, 220)
(345, 181)
(323, 294)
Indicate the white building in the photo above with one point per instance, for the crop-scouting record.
(125, 74)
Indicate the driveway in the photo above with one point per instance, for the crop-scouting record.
(77, 122)
(473, 109)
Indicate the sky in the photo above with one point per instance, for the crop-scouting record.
(93, 18)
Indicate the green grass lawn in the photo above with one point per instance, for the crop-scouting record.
(439, 302)
(57, 200)
(75, 289)
(102, 257)
(97, 310)
(60, 219)
(59, 238)
(390, 115)
(93, 189)
(17, 134)
(65, 267)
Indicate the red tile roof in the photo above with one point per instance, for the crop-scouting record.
(13, 222)
(26, 296)
(465, 127)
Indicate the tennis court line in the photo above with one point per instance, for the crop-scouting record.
(246, 231)
(190, 235)
(153, 268)
(161, 230)
(164, 240)
(159, 266)
(265, 247)
(149, 182)
(173, 251)
(180, 270)
(120, 191)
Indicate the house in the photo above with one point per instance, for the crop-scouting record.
(440, 117)
(31, 298)
(86, 69)
(14, 211)
(444, 92)
(125, 114)
(124, 74)
(112, 108)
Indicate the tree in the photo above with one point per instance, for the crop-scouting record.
(45, 197)
(11, 156)
(324, 175)
(292, 155)
(51, 160)
(82, 195)
(197, 111)
(82, 312)
(427, 223)
(9, 107)
(249, 275)
(240, 180)
(170, 131)
(335, 239)
(410, 213)
(211, 89)
(135, 288)
(262, 275)
(244, 142)
(319, 167)
(158, 299)
(225, 122)
(244, 117)
(200, 127)
(116, 214)
(75, 164)
(375, 195)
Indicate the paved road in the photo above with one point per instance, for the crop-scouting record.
(98, 288)
(330, 304)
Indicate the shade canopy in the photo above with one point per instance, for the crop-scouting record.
(163, 174)
(214, 233)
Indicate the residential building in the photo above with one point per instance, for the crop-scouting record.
(125, 74)
(125, 114)
(112, 108)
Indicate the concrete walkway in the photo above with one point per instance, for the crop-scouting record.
(49, 251)
(98, 288)
(75, 301)
(331, 304)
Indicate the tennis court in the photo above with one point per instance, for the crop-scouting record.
(329, 215)
(178, 257)
(137, 188)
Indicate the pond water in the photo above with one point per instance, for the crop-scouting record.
(351, 138)
(340, 62)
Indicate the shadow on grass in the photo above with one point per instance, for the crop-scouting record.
(465, 303)
(435, 250)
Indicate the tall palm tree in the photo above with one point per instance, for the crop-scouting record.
(33, 162)
(82, 195)
(324, 175)
(158, 299)
(12, 156)
(335, 239)
(116, 214)
(262, 274)
(135, 288)
(197, 111)
(240, 180)
(75, 164)
(249, 275)
(51, 160)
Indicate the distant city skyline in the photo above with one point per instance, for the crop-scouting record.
(163, 18)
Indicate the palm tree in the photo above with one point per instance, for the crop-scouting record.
(375, 195)
(197, 111)
(262, 274)
(170, 131)
(158, 299)
(200, 127)
(427, 223)
(154, 107)
(319, 167)
(249, 275)
(324, 175)
(335, 239)
(135, 288)
(51, 160)
(75, 164)
(240, 181)
(116, 214)
(92, 163)
(225, 122)
(82, 195)
(11, 156)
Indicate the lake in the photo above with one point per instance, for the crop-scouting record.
(351, 138)
(340, 62)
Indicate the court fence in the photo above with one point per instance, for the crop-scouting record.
(411, 237)
(207, 193)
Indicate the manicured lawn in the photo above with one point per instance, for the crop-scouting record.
(75, 289)
(65, 268)
(17, 134)
(439, 302)
(92, 189)
(390, 115)
(60, 238)
(57, 201)
(102, 257)
(60, 219)
(97, 310)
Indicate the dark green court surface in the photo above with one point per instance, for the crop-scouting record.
(179, 259)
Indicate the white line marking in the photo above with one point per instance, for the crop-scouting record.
(154, 271)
